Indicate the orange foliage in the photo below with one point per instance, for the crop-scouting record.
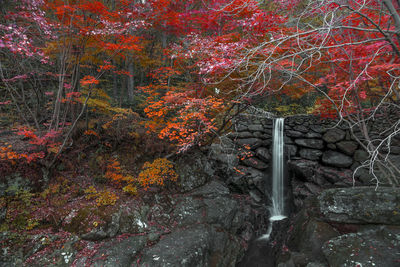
(157, 173)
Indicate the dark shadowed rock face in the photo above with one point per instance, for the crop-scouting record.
(361, 205)
(336, 159)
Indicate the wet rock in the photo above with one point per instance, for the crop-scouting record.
(310, 143)
(334, 135)
(336, 159)
(311, 154)
(347, 147)
(361, 205)
(375, 247)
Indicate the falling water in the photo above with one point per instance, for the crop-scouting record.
(278, 200)
(277, 210)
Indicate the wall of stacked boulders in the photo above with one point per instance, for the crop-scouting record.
(320, 154)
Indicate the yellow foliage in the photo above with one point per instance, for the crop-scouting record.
(130, 189)
(157, 172)
(103, 198)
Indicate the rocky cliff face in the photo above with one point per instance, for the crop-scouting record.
(320, 155)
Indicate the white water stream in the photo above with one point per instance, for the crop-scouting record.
(277, 210)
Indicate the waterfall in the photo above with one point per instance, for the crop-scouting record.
(277, 209)
(278, 198)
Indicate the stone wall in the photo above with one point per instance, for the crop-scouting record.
(320, 154)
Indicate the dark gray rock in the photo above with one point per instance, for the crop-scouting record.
(263, 154)
(242, 135)
(211, 190)
(361, 205)
(313, 135)
(310, 143)
(311, 154)
(255, 163)
(301, 128)
(119, 253)
(199, 245)
(336, 159)
(317, 128)
(347, 147)
(375, 247)
(294, 134)
(255, 128)
(309, 235)
(334, 135)
(189, 211)
(253, 143)
(241, 128)
(303, 169)
(186, 247)
(291, 150)
(360, 155)
(109, 230)
(193, 170)
(334, 176)
(331, 146)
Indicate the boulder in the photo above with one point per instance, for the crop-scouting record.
(336, 159)
(334, 135)
(310, 143)
(193, 170)
(347, 147)
(294, 134)
(311, 154)
(379, 246)
(361, 205)
(301, 128)
(360, 155)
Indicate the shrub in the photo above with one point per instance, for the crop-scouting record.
(157, 173)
